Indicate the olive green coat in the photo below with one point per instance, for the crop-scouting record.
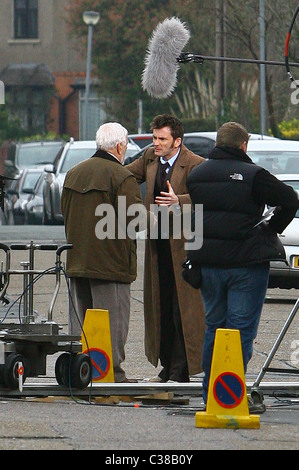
(97, 183)
(190, 301)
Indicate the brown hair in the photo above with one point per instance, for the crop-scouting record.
(166, 120)
(232, 134)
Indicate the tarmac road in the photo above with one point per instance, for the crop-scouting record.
(126, 423)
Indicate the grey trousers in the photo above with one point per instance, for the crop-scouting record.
(113, 296)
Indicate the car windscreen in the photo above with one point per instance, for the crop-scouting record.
(199, 145)
(30, 156)
(75, 156)
(30, 180)
(276, 162)
(143, 141)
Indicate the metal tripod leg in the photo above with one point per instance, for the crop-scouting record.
(254, 389)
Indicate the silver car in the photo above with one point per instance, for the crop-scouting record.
(73, 153)
(282, 275)
(277, 156)
(18, 195)
(201, 143)
(281, 158)
(22, 155)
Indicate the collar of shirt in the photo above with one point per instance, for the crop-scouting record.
(113, 156)
(171, 160)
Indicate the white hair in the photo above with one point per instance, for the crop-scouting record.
(110, 134)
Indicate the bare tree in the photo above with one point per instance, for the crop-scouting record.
(211, 91)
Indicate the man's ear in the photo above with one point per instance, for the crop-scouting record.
(178, 142)
(244, 146)
(119, 148)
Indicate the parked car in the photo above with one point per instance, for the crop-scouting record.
(141, 139)
(285, 276)
(35, 204)
(132, 149)
(73, 153)
(10, 197)
(200, 143)
(23, 155)
(277, 156)
(19, 194)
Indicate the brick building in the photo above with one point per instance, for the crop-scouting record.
(43, 69)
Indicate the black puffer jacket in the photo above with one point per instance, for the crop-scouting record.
(226, 186)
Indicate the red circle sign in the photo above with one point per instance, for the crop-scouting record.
(228, 390)
(100, 362)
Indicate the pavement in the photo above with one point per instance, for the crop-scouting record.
(161, 422)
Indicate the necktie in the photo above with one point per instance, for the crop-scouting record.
(163, 173)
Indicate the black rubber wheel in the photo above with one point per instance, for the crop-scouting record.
(1, 375)
(10, 372)
(62, 369)
(81, 371)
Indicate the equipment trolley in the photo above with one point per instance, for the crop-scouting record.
(256, 393)
(25, 344)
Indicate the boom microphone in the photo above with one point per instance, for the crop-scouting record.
(164, 55)
(159, 77)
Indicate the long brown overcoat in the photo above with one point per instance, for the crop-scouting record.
(190, 301)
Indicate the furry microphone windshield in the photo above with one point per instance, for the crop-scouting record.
(159, 77)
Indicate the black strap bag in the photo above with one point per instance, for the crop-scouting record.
(192, 274)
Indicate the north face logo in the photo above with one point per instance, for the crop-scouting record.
(236, 176)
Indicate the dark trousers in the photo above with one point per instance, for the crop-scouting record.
(172, 346)
(233, 298)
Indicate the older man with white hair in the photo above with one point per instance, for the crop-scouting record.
(102, 265)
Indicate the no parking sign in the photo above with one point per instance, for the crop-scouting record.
(100, 363)
(96, 342)
(228, 390)
(227, 405)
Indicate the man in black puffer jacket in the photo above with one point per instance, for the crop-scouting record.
(236, 248)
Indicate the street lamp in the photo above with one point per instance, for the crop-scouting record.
(262, 68)
(91, 18)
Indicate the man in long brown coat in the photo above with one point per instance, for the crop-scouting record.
(173, 311)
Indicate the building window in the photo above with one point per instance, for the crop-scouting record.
(26, 19)
(29, 92)
(31, 107)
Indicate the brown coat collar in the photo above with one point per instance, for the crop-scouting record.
(177, 173)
